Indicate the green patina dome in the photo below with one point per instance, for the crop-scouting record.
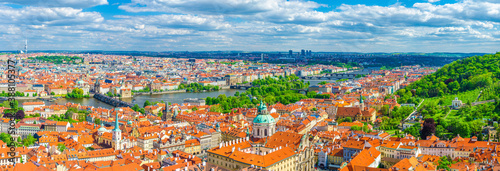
(263, 117)
(80, 82)
(102, 128)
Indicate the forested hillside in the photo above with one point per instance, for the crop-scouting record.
(459, 76)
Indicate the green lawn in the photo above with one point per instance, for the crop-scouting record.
(391, 132)
(464, 96)
(438, 115)
(453, 116)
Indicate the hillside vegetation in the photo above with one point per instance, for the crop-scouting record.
(459, 76)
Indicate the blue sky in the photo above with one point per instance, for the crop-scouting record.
(252, 25)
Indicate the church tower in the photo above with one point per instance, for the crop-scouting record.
(361, 104)
(165, 115)
(117, 134)
(264, 124)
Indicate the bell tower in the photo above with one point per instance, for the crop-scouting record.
(117, 134)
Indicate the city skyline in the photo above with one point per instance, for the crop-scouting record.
(277, 25)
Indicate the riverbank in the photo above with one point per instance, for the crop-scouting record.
(139, 99)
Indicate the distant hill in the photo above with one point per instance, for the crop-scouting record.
(462, 75)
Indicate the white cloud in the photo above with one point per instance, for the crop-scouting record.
(47, 16)
(279, 11)
(259, 25)
(467, 10)
(58, 3)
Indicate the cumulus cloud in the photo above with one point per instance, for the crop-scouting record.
(258, 25)
(218, 7)
(47, 16)
(278, 11)
(58, 3)
(469, 10)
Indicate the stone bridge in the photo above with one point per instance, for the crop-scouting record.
(112, 101)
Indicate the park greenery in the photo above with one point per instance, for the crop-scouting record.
(137, 108)
(470, 80)
(14, 109)
(391, 119)
(17, 94)
(270, 90)
(28, 141)
(58, 59)
(459, 76)
(323, 83)
(386, 68)
(77, 93)
(197, 87)
(68, 116)
(145, 90)
(313, 94)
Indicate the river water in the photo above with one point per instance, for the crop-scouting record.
(172, 97)
(140, 99)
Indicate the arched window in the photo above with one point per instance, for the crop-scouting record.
(258, 132)
(265, 132)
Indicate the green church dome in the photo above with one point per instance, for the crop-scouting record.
(102, 129)
(263, 119)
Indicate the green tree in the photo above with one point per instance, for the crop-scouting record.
(366, 129)
(348, 119)
(355, 128)
(61, 147)
(147, 103)
(6, 138)
(29, 140)
(322, 83)
(461, 128)
(444, 163)
(414, 130)
(97, 121)
(136, 107)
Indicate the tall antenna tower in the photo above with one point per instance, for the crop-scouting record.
(26, 48)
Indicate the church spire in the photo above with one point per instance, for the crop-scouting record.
(116, 122)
